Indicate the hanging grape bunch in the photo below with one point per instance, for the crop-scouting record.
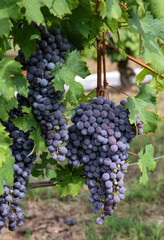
(21, 151)
(47, 110)
(42, 95)
(99, 139)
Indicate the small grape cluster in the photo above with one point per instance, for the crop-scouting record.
(21, 148)
(45, 100)
(99, 139)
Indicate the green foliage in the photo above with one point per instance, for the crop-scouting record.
(60, 8)
(43, 169)
(156, 82)
(6, 161)
(146, 163)
(157, 8)
(9, 84)
(6, 173)
(11, 80)
(139, 104)
(66, 75)
(28, 122)
(57, 8)
(80, 29)
(4, 46)
(32, 10)
(28, 43)
(69, 179)
(6, 106)
(8, 10)
(150, 29)
(110, 9)
(5, 143)
(129, 44)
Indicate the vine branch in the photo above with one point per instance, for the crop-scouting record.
(121, 4)
(119, 90)
(143, 65)
(133, 154)
(98, 67)
(104, 66)
(40, 185)
(96, 6)
(135, 60)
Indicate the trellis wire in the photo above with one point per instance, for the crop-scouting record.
(49, 184)
(137, 162)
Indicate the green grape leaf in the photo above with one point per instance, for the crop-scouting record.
(81, 30)
(156, 82)
(6, 107)
(32, 10)
(50, 173)
(5, 144)
(95, 28)
(4, 46)
(130, 3)
(6, 173)
(150, 29)
(141, 76)
(66, 75)
(8, 9)
(138, 105)
(40, 168)
(27, 122)
(102, 9)
(60, 7)
(37, 172)
(110, 25)
(38, 139)
(82, 27)
(111, 10)
(157, 8)
(146, 163)
(9, 84)
(21, 85)
(6, 161)
(56, 7)
(5, 24)
(69, 180)
(28, 43)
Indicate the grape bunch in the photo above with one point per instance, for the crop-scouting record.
(99, 139)
(45, 100)
(21, 148)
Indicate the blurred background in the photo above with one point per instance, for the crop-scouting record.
(139, 217)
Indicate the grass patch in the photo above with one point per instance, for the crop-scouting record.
(28, 234)
(123, 228)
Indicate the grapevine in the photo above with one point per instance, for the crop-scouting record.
(37, 136)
